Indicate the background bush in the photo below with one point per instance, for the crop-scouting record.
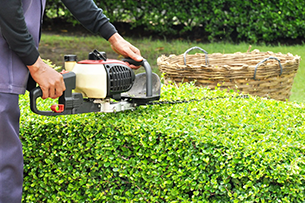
(217, 150)
(237, 20)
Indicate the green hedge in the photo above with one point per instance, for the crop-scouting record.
(237, 20)
(217, 150)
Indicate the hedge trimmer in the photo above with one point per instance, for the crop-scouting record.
(105, 85)
(101, 85)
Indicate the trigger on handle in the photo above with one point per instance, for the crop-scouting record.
(58, 108)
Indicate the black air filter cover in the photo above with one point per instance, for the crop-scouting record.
(120, 78)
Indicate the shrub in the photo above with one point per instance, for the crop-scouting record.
(226, 149)
(250, 21)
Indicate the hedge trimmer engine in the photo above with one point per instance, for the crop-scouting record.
(102, 85)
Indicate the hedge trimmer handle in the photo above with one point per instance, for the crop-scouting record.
(133, 62)
(34, 95)
(68, 103)
(148, 71)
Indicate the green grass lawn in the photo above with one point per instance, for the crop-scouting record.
(54, 47)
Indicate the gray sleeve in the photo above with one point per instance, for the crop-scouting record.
(14, 30)
(91, 17)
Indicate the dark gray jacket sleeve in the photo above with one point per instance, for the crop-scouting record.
(15, 32)
(91, 17)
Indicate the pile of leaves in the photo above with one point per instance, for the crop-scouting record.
(223, 148)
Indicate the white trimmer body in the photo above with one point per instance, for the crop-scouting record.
(91, 80)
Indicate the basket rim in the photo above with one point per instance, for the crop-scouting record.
(263, 67)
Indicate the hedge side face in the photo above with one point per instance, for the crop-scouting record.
(219, 150)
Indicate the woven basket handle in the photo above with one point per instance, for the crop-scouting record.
(187, 51)
(264, 61)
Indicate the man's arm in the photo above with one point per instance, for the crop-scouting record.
(91, 17)
(15, 32)
(18, 38)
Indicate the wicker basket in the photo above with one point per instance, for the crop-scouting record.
(264, 74)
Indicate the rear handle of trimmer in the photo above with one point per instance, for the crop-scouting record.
(34, 95)
(69, 79)
(68, 103)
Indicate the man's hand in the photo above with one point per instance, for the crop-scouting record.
(50, 81)
(124, 48)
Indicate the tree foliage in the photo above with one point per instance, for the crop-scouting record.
(253, 21)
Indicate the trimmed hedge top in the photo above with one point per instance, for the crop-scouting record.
(225, 149)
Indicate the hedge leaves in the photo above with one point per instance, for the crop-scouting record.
(222, 149)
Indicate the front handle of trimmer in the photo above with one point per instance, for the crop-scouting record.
(148, 71)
